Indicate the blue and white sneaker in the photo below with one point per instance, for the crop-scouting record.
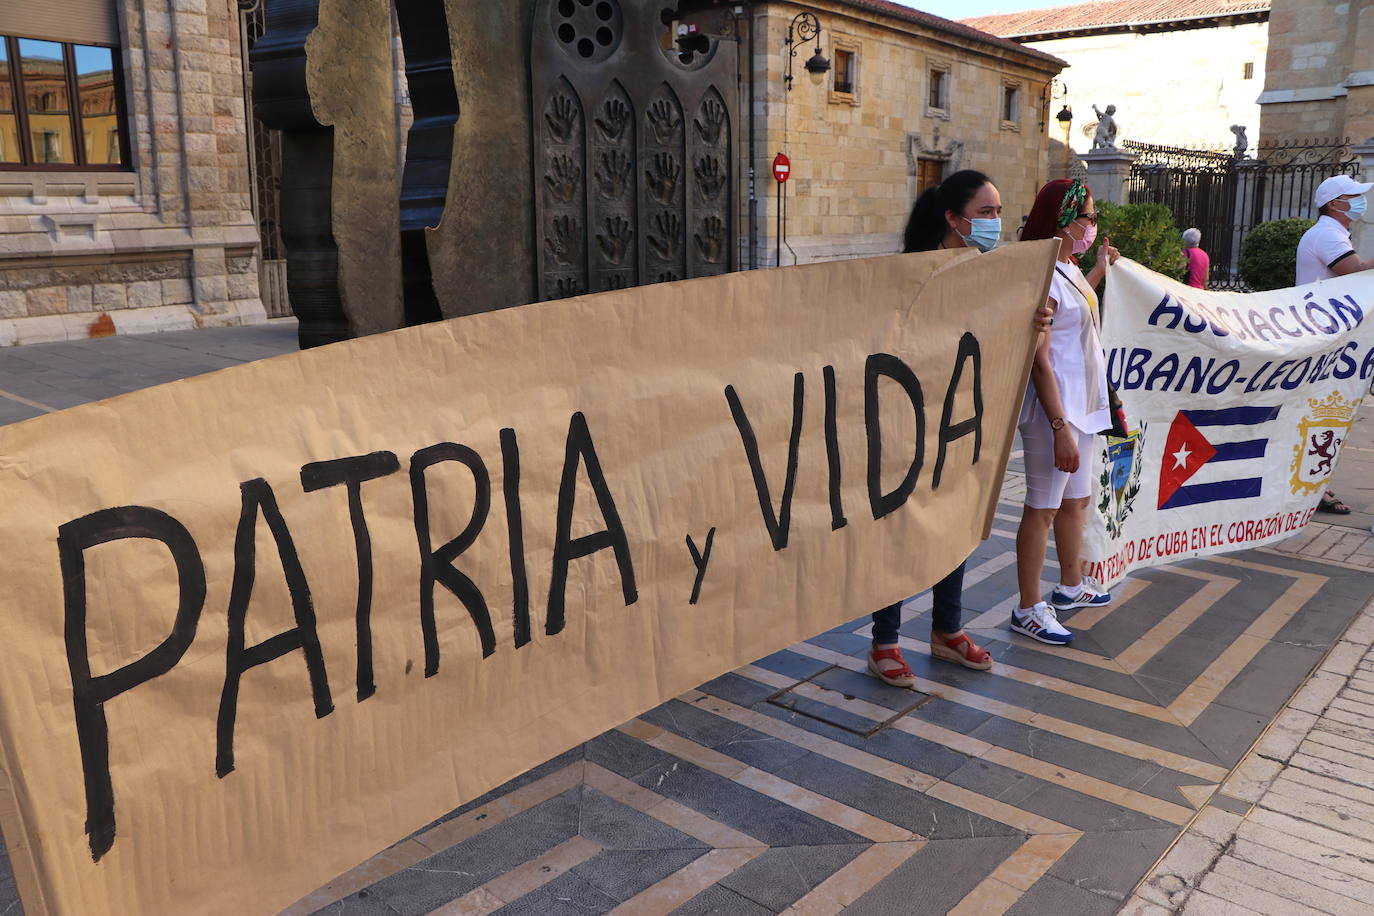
(1040, 623)
(1093, 595)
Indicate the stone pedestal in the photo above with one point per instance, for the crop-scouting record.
(1108, 170)
(1248, 193)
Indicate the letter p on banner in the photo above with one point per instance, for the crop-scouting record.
(90, 692)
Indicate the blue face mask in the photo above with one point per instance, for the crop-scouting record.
(1357, 205)
(984, 233)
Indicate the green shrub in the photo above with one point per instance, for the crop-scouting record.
(1145, 233)
(1268, 256)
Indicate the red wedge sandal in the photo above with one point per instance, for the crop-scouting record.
(898, 674)
(960, 650)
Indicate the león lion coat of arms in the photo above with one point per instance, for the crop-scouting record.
(1320, 435)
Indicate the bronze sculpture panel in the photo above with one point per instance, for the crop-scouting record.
(558, 147)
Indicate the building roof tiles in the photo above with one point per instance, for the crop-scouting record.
(1108, 13)
(948, 26)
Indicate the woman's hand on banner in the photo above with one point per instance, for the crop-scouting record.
(1111, 254)
(1066, 449)
(1044, 316)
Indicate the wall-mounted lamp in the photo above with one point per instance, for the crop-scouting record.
(1057, 90)
(1054, 89)
(804, 27)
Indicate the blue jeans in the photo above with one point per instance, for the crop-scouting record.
(947, 613)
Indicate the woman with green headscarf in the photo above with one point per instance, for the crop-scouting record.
(1066, 404)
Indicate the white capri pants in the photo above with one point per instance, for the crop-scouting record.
(1046, 486)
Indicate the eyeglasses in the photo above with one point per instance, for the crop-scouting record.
(1090, 217)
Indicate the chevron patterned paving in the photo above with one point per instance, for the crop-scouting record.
(801, 785)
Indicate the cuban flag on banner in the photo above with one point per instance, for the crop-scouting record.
(1214, 455)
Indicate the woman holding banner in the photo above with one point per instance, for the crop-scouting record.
(963, 211)
(1065, 406)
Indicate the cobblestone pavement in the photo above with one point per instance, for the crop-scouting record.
(38, 379)
(799, 784)
(1292, 829)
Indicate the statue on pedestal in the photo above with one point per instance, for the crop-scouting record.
(1242, 143)
(1105, 138)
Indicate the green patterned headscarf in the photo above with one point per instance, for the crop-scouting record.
(1074, 200)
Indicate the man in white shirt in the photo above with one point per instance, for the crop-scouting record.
(1325, 250)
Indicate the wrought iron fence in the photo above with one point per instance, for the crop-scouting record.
(1225, 195)
(265, 147)
(264, 165)
(1177, 156)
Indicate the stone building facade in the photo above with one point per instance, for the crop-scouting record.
(909, 97)
(1320, 71)
(125, 203)
(1319, 91)
(126, 162)
(1179, 72)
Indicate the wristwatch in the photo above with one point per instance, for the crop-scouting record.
(1057, 424)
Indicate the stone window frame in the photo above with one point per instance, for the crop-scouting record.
(1018, 87)
(853, 47)
(120, 91)
(939, 65)
(1247, 70)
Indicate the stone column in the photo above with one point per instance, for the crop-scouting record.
(1362, 231)
(1108, 170)
(1246, 212)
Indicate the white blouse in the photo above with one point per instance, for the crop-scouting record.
(1075, 355)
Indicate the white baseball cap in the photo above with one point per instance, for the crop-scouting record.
(1338, 186)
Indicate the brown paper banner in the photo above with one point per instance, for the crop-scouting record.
(201, 709)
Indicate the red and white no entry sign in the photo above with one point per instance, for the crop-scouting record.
(782, 167)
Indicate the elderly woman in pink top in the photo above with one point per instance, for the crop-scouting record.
(1198, 261)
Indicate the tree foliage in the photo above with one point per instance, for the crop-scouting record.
(1145, 233)
(1269, 254)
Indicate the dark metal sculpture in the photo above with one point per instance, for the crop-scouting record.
(283, 103)
(633, 149)
(429, 150)
(558, 147)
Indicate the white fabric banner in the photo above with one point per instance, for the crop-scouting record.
(1238, 405)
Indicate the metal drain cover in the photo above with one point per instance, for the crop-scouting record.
(824, 704)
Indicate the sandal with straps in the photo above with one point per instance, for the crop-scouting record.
(1330, 502)
(895, 676)
(960, 650)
